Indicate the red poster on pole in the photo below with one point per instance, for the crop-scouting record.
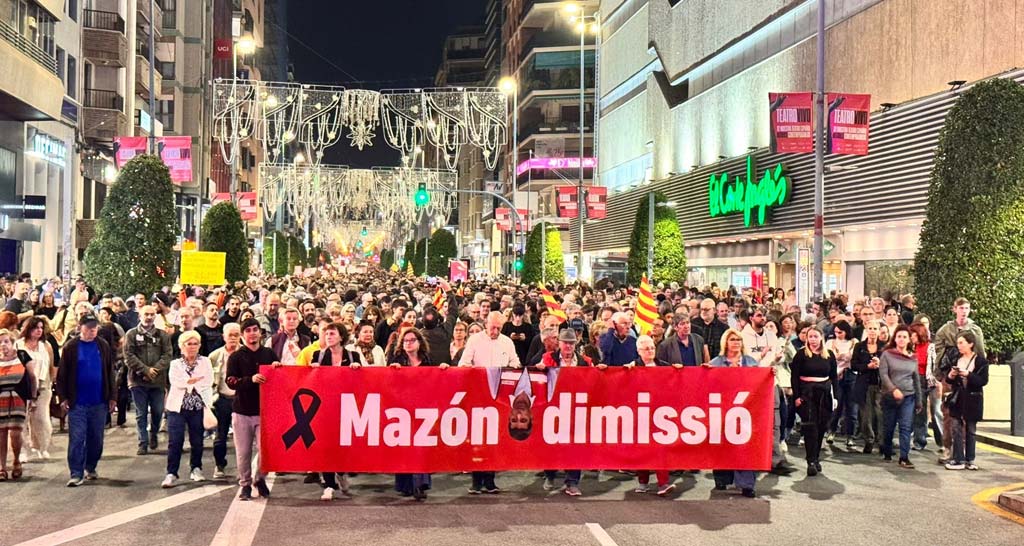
(222, 48)
(246, 203)
(848, 123)
(503, 218)
(568, 203)
(126, 148)
(792, 128)
(426, 419)
(597, 202)
(176, 153)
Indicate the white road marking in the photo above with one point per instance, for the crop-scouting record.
(242, 520)
(600, 534)
(120, 518)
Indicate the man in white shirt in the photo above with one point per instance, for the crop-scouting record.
(762, 344)
(489, 349)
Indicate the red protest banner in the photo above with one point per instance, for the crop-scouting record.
(568, 204)
(792, 131)
(848, 123)
(432, 420)
(597, 202)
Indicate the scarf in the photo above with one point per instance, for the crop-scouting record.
(367, 350)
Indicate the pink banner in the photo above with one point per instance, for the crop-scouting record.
(597, 202)
(848, 123)
(246, 203)
(555, 163)
(126, 148)
(176, 152)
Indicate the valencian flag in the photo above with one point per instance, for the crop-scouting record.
(553, 307)
(438, 298)
(646, 312)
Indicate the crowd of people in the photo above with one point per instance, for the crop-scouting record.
(186, 359)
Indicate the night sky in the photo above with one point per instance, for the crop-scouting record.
(375, 44)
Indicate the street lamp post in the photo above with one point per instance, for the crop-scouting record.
(509, 85)
(243, 45)
(819, 160)
(650, 237)
(580, 20)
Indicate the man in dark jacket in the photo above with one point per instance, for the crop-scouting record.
(148, 354)
(85, 385)
(709, 327)
(439, 335)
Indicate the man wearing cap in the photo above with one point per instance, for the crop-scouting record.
(148, 354)
(85, 384)
(565, 356)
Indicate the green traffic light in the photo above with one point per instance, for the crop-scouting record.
(422, 197)
(365, 231)
(519, 264)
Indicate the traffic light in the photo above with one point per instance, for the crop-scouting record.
(422, 197)
(359, 244)
(518, 264)
(364, 232)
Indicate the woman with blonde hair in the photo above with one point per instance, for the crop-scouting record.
(813, 374)
(190, 396)
(732, 355)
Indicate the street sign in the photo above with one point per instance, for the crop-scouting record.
(570, 273)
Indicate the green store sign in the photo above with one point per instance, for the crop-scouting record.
(745, 195)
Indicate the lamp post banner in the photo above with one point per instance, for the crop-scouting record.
(426, 419)
(848, 123)
(791, 125)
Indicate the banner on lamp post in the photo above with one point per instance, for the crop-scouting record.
(246, 203)
(848, 123)
(792, 128)
(176, 153)
(597, 202)
(376, 419)
(568, 204)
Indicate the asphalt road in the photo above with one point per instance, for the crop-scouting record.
(858, 500)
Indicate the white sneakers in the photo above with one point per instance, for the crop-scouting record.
(642, 488)
(328, 494)
(219, 474)
(197, 475)
(168, 481)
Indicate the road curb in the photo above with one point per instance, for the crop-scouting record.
(992, 441)
(1013, 501)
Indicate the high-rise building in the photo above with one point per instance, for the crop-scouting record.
(543, 53)
(39, 110)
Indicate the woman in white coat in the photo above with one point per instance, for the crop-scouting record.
(191, 393)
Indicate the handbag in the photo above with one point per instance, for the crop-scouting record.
(209, 419)
(953, 399)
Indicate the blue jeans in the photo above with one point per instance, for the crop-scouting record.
(149, 408)
(85, 437)
(846, 407)
(222, 409)
(177, 423)
(572, 477)
(902, 412)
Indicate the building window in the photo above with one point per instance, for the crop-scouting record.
(72, 75)
(165, 113)
(72, 9)
(60, 64)
(87, 198)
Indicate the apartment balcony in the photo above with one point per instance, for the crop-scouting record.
(103, 115)
(27, 47)
(142, 73)
(103, 40)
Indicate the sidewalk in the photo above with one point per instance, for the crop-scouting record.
(997, 433)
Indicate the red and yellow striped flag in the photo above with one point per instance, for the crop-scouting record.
(646, 311)
(438, 298)
(462, 291)
(553, 307)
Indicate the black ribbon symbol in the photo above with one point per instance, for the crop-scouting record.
(303, 419)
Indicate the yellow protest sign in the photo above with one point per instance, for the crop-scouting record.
(202, 268)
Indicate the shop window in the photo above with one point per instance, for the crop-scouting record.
(896, 276)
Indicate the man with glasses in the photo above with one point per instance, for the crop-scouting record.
(708, 326)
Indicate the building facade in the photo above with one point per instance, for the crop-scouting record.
(684, 98)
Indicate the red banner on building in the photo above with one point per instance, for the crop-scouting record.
(458, 270)
(431, 420)
(792, 128)
(246, 203)
(176, 152)
(848, 123)
(597, 202)
(222, 48)
(568, 203)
